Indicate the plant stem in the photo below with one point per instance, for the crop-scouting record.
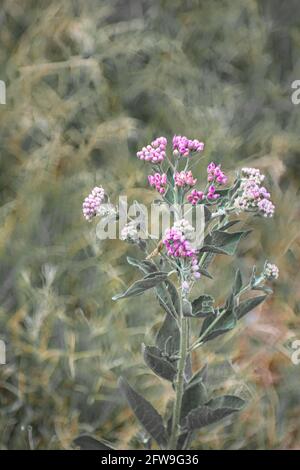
(179, 384)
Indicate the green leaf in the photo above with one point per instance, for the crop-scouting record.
(229, 224)
(188, 368)
(160, 366)
(213, 411)
(205, 273)
(194, 395)
(200, 375)
(140, 286)
(225, 241)
(168, 336)
(149, 418)
(226, 322)
(223, 192)
(146, 266)
(168, 298)
(247, 305)
(174, 295)
(202, 305)
(230, 302)
(86, 442)
(238, 282)
(209, 257)
(265, 289)
(212, 249)
(226, 401)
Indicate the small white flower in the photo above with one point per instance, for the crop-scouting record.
(129, 232)
(271, 271)
(185, 228)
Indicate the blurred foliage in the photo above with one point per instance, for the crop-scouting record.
(88, 83)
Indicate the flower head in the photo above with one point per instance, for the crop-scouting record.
(184, 146)
(176, 240)
(129, 232)
(158, 181)
(251, 195)
(271, 271)
(195, 197)
(184, 178)
(154, 153)
(185, 228)
(252, 173)
(92, 203)
(211, 194)
(215, 174)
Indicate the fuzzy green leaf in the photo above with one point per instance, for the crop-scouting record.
(168, 336)
(140, 286)
(226, 323)
(202, 305)
(225, 241)
(212, 249)
(158, 364)
(194, 395)
(149, 418)
(238, 282)
(146, 266)
(247, 305)
(213, 411)
(168, 298)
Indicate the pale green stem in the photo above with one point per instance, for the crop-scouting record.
(179, 384)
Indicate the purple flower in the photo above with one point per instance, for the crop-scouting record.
(184, 146)
(195, 197)
(92, 203)
(251, 195)
(154, 153)
(158, 181)
(212, 195)
(215, 174)
(184, 178)
(176, 240)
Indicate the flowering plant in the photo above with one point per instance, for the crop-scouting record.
(172, 270)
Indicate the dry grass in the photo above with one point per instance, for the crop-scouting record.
(88, 82)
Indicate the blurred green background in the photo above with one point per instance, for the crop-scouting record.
(88, 83)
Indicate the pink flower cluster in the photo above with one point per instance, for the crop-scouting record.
(215, 174)
(184, 178)
(154, 153)
(158, 181)
(176, 240)
(211, 194)
(252, 196)
(195, 197)
(198, 196)
(92, 203)
(184, 146)
(176, 243)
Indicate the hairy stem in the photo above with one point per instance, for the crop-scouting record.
(179, 384)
